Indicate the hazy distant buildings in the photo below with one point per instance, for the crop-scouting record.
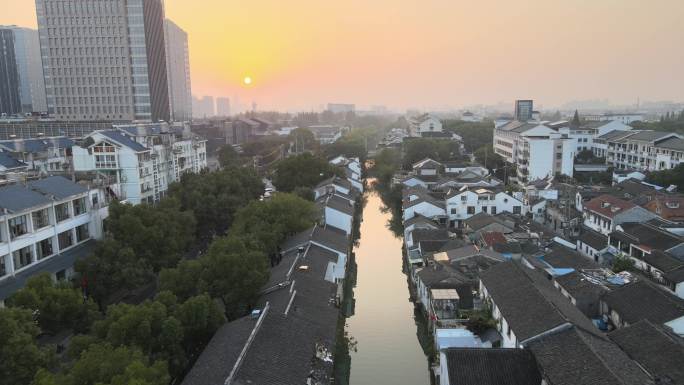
(523, 110)
(341, 108)
(222, 107)
(104, 60)
(22, 88)
(178, 71)
(203, 108)
(624, 118)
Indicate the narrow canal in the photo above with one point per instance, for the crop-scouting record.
(383, 325)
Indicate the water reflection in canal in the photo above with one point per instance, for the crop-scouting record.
(384, 324)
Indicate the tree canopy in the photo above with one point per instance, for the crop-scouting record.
(57, 305)
(440, 150)
(213, 198)
(304, 170)
(474, 134)
(669, 177)
(21, 355)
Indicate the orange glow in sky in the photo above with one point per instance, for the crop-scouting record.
(426, 54)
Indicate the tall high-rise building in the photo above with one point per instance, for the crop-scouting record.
(203, 107)
(222, 107)
(22, 88)
(104, 60)
(523, 110)
(178, 71)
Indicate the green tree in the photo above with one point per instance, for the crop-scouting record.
(268, 223)
(576, 120)
(158, 235)
(235, 274)
(665, 178)
(303, 170)
(58, 306)
(111, 268)
(103, 364)
(213, 198)
(227, 156)
(21, 356)
(386, 163)
(486, 156)
(622, 264)
(199, 318)
(474, 134)
(440, 150)
(183, 280)
(302, 139)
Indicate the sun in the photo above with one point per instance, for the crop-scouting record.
(247, 80)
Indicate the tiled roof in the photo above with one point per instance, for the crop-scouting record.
(594, 239)
(579, 287)
(124, 139)
(638, 301)
(675, 276)
(662, 261)
(331, 237)
(36, 145)
(17, 198)
(650, 237)
(561, 257)
(57, 186)
(523, 307)
(659, 352)
(672, 144)
(469, 366)
(575, 357)
(608, 205)
(491, 238)
(9, 162)
(649, 136)
(340, 204)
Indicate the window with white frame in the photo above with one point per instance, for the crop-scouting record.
(41, 218)
(22, 257)
(62, 212)
(18, 226)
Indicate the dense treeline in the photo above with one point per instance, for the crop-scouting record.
(666, 178)
(474, 134)
(440, 150)
(302, 171)
(155, 341)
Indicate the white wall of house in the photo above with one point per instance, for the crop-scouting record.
(677, 326)
(338, 219)
(425, 209)
(412, 182)
(679, 289)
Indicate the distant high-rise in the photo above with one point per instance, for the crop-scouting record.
(523, 110)
(22, 88)
(341, 108)
(203, 107)
(178, 71)
(104, 60)
(222, 107)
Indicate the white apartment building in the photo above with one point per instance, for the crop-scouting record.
(44, 226)
(178, 71)
(538, 149)
(625, 118)
(643, 150)
(42, 156)
(588, 131)
(141, 161)
(423, 124)
(104, 60)
(465, 203)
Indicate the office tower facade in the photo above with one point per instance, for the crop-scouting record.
(523, 110)
(104, 60)
(222, 107)
(178, 71)
(22, 89)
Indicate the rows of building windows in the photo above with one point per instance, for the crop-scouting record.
(39, 219)
(44, 248)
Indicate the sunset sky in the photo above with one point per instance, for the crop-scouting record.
(427, 54)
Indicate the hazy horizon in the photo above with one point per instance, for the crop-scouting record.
(433, 54)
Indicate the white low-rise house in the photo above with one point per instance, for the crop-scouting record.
(426, 206)
(332, 185)
(463, 204)
(427, 167)
(43, 226)
(336, 241)
(327, 134)
(422, 124)
(538, 149)
(339, 213)
(141, 161)
(42, 156)
(604, 213)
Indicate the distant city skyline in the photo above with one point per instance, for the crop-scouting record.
(434, 55)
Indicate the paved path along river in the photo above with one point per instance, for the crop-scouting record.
(384, 326)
